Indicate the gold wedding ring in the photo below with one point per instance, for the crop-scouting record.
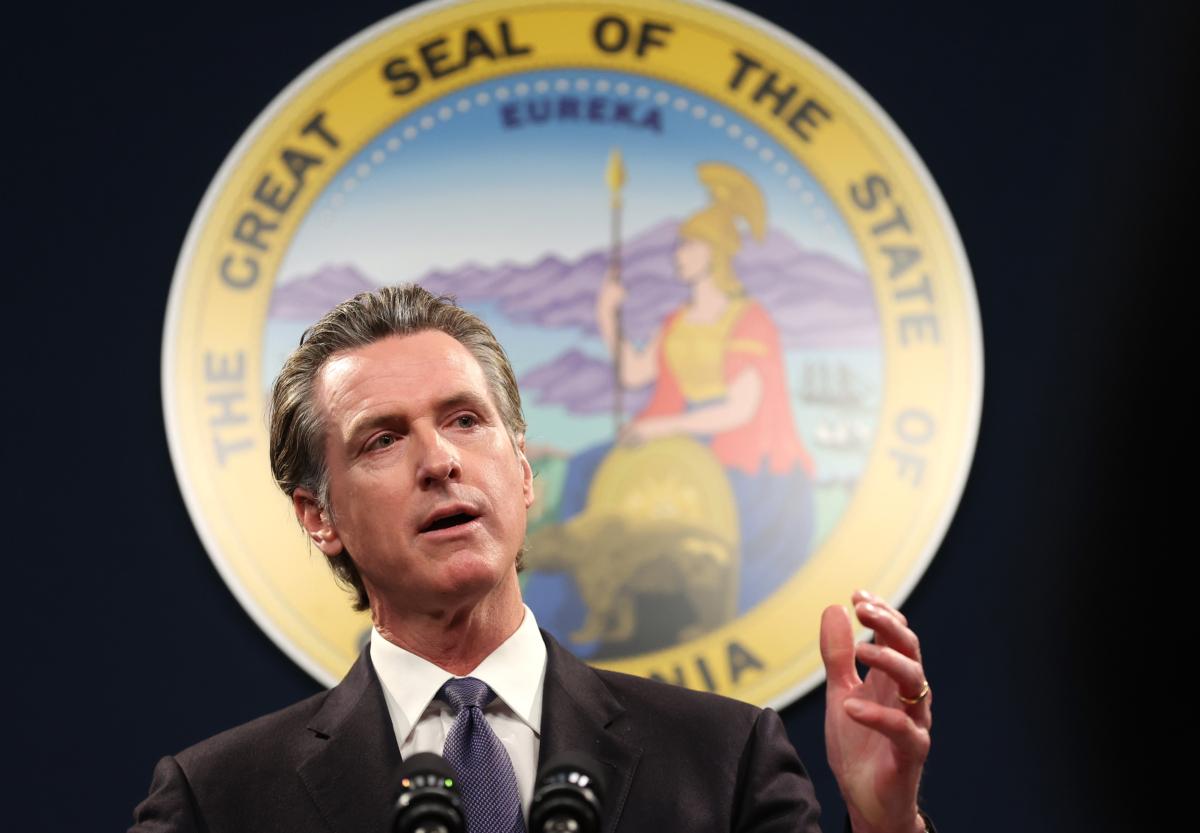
(921, 695)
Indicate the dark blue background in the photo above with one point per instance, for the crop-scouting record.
(1054, 132)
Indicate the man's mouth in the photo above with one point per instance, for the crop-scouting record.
(448, 521)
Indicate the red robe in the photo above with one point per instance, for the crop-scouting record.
(771, 433)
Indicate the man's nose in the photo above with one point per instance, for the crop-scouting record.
(439, 459)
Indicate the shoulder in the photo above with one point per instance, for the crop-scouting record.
(752, 319)
(236, 780)
(691, 760)
(656, 707)
(271, 773)
(281, 737)
(654, 696)
(670, 321)
(690, 725)
(741, 759)
(285, 740)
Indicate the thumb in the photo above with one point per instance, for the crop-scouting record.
(837, 647)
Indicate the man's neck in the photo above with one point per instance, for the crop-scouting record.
(455, 638)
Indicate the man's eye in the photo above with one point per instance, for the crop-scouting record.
(466, 421)
(384, 440)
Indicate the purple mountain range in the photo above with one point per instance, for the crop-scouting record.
(308, 298)
(580, 383)
(815, 300)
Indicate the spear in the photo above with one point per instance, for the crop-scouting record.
(614, 177)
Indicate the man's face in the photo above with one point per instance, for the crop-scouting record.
(429, 496)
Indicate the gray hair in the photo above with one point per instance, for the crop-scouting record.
(297, 426)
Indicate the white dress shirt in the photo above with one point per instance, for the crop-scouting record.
(515, 671)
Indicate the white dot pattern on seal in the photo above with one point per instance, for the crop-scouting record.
(446, 113)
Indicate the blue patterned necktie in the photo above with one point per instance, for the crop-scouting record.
(486, 778)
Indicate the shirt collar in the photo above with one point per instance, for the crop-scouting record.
(515, 671)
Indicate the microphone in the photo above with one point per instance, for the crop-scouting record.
(429, 800)
(567, 797)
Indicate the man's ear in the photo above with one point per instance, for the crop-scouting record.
(316, 522)
(526, 471)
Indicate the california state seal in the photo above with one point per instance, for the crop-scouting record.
(740, 314)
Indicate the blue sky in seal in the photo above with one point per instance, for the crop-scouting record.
(466, 188)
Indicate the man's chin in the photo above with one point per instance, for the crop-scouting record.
(466, 578)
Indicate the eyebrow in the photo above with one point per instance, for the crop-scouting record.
(465, 399)
(459, 399)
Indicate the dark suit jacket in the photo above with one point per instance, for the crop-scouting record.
(675, 761)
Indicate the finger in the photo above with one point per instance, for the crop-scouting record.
(879, 601)
(910, 740)
(906, 676)
(837, 648)
(888, 629)
(904, 671)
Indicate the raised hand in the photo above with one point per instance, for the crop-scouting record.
(876, 729)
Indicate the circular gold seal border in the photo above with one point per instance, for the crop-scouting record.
(784, 41)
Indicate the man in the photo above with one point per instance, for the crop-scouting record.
(396, 429)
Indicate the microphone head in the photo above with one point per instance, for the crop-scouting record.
(568, 795)
(429, 801)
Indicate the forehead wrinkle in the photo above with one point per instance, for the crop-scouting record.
(331, 383)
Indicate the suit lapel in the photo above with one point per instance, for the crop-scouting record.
(352, 776)
(580, 714)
